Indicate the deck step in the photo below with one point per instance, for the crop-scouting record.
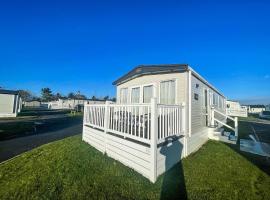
(219, 131)
(232, 138)
(227, 133)
(222, 136)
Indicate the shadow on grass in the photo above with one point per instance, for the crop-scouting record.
(173, 185)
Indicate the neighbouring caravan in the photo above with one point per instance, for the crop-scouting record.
(10, 103)
(256, 109)
(162, 114)
(34, 103)
(70, 104)
(233, 108)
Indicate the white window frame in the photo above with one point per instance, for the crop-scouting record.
(147, 85)
(141, 91)
(176, 86)
(203, 97)
(215, 100)
(211, 98)
(120, 93)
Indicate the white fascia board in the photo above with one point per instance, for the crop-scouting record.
(203, 80)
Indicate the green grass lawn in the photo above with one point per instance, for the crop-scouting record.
(72, 169)
(251, 117)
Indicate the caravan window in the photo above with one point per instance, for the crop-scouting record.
(167, 92)
(147, 93)
(123, 95)
(215, 99)
(220, 102)
(135, 95)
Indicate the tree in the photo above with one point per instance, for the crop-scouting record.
(113, 99)
(46, 94)
(80, 96)
(36, 99)
(93, 98)
(106, 98)
(58, 96)
(71, 95)
(26, 95)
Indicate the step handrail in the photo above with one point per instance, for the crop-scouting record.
(224, 115)
(224, 124)
(235, 120)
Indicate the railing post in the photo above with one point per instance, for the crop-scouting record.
(153, 142)
(236, 126)
(183, 128)
(183, 118)
(212, 117)
(106, 121)
(85, 113)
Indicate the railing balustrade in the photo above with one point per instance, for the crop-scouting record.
(241, 112)
(134, 120)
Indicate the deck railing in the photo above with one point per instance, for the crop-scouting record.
(240, 112)
(137, 121)
(171, 121)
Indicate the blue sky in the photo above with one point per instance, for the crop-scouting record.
(86, 45)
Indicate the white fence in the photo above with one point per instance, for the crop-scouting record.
(171, 121)
(134, 120)
(114, 128)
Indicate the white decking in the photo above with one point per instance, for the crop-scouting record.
(150, 138)
(137, 135)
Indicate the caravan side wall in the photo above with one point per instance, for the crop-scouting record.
(8, 105)
(199, 111)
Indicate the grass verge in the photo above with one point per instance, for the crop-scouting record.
(72, 169)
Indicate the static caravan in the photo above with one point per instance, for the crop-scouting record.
(33, 103)
(71, 103)
(61, 103)
(234, 108)
(162, 114)
(10, 103)
(256, 109)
